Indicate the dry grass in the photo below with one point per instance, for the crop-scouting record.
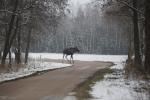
(82, 90)
(132, 71)
(10, 67)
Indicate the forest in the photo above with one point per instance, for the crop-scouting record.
(110, 40)
(89, 30)
(112, 27)
(22, 21)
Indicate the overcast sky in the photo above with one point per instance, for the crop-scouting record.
(75, 4)
(80, 1)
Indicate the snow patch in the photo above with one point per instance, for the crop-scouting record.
(30, 69)
(37, 66)
(115, 87)
(81, 57)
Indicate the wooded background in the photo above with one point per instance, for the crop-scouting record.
(100, 27)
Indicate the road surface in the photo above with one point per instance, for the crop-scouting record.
(52, 85)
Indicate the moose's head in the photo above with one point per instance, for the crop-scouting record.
(76, 49)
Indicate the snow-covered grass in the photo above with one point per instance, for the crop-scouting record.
(81, 57)
(37, 64)
(115, 87)
(31, 68)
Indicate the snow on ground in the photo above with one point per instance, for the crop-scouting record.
(115, 87)
(37, 65)
(30, 69)
(112, 87)
(81, 57)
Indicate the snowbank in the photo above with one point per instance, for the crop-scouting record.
(37, 65)
(115, 87)
(30, 69)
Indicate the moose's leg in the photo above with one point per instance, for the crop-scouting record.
(66, 58)
(63, 58)
(72, 59)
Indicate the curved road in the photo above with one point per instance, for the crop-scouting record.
(53, 85)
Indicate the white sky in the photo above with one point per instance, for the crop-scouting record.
(80, 1)
(75, 4)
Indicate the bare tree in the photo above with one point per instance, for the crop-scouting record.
(9, 33)
(15, 19)
(147, 36)
(137, 60)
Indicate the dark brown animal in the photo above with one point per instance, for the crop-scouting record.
(70, 51)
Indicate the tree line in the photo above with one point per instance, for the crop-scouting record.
(120, 27)
(90, 30)
(139, 40)
(22, 21)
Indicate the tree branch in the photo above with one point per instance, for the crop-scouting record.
(6, 11)
(15, 13)
(131, 7)
(1, 22)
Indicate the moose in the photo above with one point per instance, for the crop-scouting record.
(70, 51)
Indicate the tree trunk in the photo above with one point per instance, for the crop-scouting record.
(9, 57)
(28, 45)
(0, 55)
(8, 34)
(18, 56)
(137, 60)
(130, 47)
(147, 36)
(18, 53)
